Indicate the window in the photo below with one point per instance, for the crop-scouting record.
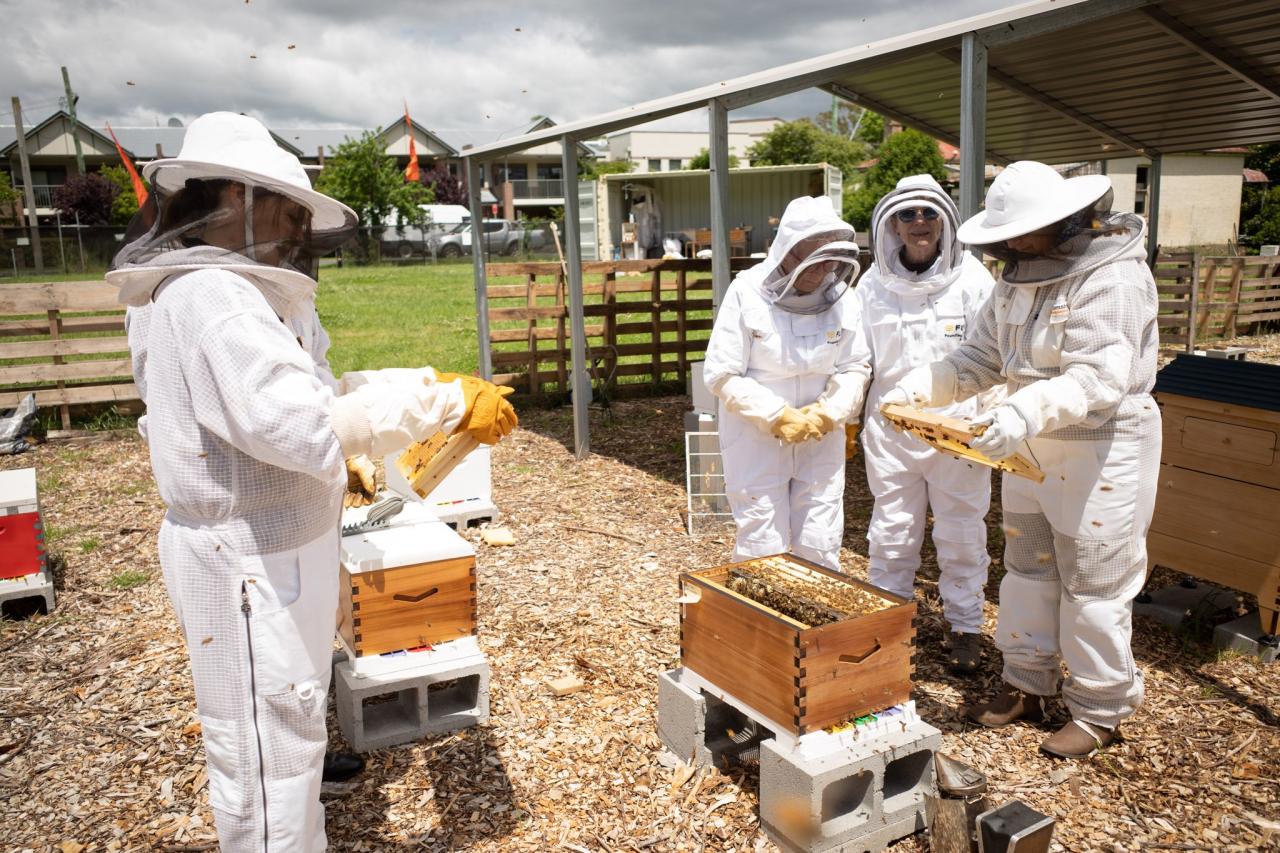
(513, 172)
(1140, 190)
(674, 165)
(655, 164)
(492, 226)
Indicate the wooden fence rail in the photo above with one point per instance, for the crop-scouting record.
(645, 321)
(72, 349)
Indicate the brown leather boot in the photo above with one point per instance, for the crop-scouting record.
(965, 654)
(1012, 704)
(1078, 739)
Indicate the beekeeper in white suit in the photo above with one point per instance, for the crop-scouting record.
(248, 432)
(916, 301)
(1072, 329)
(789, 364)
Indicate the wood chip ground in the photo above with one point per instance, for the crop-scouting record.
(100, 748)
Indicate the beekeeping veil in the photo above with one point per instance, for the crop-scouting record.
(233, 200)
(812, 240)
(916, 191)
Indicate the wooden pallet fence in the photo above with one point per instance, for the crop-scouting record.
(1175, 275)
(645, 321)
(65, 341)
(1235, 294)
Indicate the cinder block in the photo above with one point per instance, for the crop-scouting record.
(1245, 635)
(702, 729)
(682, 719)
(850, 799)
(873, 841)
(14, 591)
(376, 711)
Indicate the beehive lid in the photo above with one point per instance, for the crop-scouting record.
(405, 545)
(18, 489)
(1240, 383)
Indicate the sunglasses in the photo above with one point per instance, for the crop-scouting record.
(910, 214)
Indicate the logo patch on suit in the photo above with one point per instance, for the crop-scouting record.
(834, 335)
(953, 330)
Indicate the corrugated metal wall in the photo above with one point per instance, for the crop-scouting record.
(685, 200)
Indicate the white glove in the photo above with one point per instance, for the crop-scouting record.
(380, 418)
(895, 397)
(920, 387)
(1006, 430)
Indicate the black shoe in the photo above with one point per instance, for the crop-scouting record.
(341, 766)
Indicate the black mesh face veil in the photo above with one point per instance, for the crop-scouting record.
(220, 221)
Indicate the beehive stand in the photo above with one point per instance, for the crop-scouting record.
(811, 670)
(952, 436)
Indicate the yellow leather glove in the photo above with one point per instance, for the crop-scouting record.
(362, 481)
(816, 413)
(793, 426)
(488, 416)
(851, 440)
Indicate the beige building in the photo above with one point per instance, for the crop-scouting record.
(530, 182)
(671, 150)
(1199, 195)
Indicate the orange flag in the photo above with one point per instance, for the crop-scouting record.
(411, 172)
(139, 189)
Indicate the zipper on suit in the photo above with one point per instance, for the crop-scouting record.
(247, 610)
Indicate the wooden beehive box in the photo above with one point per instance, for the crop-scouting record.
(406, 587)
(1217, 512)
(800, 676)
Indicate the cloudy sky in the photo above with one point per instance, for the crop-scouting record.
(473, 71)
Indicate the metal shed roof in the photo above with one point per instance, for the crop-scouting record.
(1066, 80)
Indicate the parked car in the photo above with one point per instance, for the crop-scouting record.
(501, 237)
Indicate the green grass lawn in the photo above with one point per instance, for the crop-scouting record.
(400, 316)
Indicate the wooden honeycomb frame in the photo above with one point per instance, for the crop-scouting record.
(952, 435)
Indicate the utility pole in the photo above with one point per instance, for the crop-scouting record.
(72, 97)
(29, 189)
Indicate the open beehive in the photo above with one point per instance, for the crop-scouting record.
(952, 436)
(800, 644)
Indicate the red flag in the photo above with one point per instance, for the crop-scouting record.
(411, 172)
(139, 189)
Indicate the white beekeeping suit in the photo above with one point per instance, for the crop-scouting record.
(248, 431)
(1072, 330)
(912, 319)
(774, 350)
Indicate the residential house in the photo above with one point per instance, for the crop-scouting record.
(531, 182)
(671, 150)
(1199, 195)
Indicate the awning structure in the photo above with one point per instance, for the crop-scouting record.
(1051, 80)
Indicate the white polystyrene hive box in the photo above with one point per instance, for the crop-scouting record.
(427, 541)
(18, 491)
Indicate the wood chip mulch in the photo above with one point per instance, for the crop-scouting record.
(100, 748)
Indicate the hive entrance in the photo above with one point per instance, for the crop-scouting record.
(806, 596)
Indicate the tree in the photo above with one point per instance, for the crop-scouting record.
(853, 122)
(8, 197)
(126, 203)
(702, 160)
(802, 141)
(907, 153)
(445, 186)
(1259, 211)
(89, 196)
(359, 174)
(590, 170)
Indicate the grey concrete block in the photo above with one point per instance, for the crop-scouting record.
(839, 800)
(378, 711)
(1244, 635)
(1173, 605)
(909, 773)
(37, 585)
(682, 716)
(874, 840)
(821, 803)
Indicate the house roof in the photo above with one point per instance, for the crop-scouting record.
(1224, 380)
(33, 131)
(1067, 80)
(1255, 176)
